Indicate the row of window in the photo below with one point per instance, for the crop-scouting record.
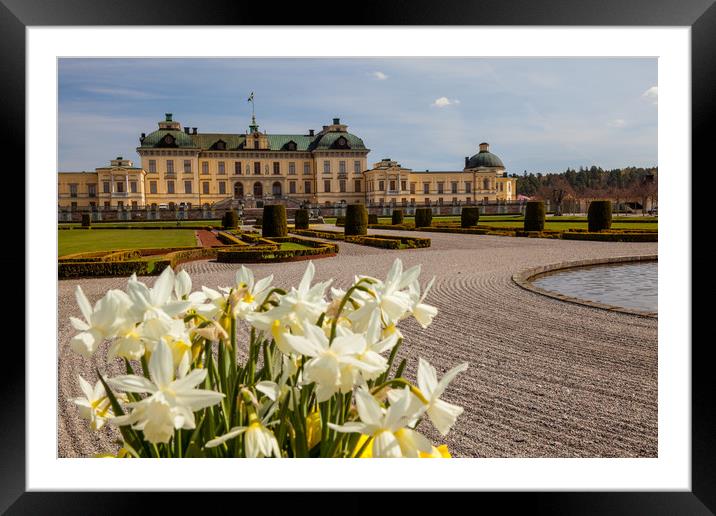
(106, 188)
(276, 168)
(206, 187)
(427, 201)
(454, 185)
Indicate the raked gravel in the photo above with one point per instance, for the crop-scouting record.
(546, 378)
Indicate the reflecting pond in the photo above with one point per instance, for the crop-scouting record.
(630, 285)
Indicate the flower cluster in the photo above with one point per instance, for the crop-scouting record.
(318, 381)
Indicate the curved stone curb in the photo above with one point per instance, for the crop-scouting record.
(524, 280)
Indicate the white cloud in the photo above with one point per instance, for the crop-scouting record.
(379, 75)
(122, 92)
(444, 102)
(652, 94)
(617, 122)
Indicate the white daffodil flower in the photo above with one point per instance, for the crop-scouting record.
(95, 405)
(172, 332)
(442, 414)
(129, 343)
(101, 322)
(147, 302)
(422, 312)
(333, 364)
(387, 427)
(259, 441)
(182, 285)
(172, 402)
(247, 295)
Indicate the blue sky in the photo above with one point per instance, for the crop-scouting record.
(538, 114)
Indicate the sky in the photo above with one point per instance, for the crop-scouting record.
(537, 114)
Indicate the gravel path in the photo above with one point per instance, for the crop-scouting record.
(546, 378)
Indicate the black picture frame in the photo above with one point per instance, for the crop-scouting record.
(700, 15)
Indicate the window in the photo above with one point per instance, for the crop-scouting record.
(468, 186)
(468, 200)
(120, 205)
(307, 186)
(426, 187)
(237, 168)
(427, 201)
(403, 185)
(292, 187)
(257, 168)
(120, 186)
(412, 188)
(342, 185)
(73, 190)
(205, 187)
(356, 166)
(291, 168)
(222, 187)
(392, 185)
(357, 185)
(152, 166)
(170, 187)
(441, 187)
(381, 186)
(440, 201)
(92, 190)
(135, 205)
(105, 187)
(187, 166)
(276, 168)
(204, 168)
(326, 167)
(454, 200)
(453, 186)
(222, 167)
(341, 167)
(152, 187)
(133, 186)
(306, 167)
(73, 206)
(327, 185)
(170, 166)
(106, 204)
(187, 186)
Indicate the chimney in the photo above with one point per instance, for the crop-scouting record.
(186, 130)
(141, 138)
(336, 121)
(310, 132)
(467, 158)
(193, 130)
(484, 147)
(168, 117)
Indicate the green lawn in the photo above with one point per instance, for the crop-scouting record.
(86, 240)
(153, 223)
(292, 246)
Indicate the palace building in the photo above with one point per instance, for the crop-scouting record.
(183, 167)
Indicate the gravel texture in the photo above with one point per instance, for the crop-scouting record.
(546, 378)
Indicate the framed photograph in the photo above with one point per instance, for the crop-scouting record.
(431, 233)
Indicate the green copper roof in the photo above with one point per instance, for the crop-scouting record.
(330, 141)
(484, 159)
(155, 139)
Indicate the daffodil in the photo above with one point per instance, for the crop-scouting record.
(422, 312)
(438, 452)
(247, 294)
(148, 302)
(100, 322)
(259, 441)
(442, 414)
(95, 405)
(386, 427)
(171, 402)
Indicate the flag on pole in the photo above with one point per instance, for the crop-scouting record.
(251, 97)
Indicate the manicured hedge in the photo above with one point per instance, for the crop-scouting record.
(340, 221)
(324, 233)
(423, 217)
(534, 216)
(86, 220)
(356, 220)
(469, 216)
(372, 218)
(100, 269)
(274, 221)
(383, 243)
(397, 227)
(456, 229)
(252, 254)
(611, 236)
(230, 220)
(229, 239)
(599, 215)
(397, 218)
(301, 219)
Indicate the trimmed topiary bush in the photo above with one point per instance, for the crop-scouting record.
(301, 219)
(86, 221)
(469, 216)
(397, 217)
(599, 215)
(372, 218)
(230, 220)
(356, 220)
(534, 216)
(423, 217)
(274, 221)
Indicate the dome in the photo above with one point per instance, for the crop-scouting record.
(484, 158)
(159, 139)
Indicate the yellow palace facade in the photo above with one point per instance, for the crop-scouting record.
(180, 167)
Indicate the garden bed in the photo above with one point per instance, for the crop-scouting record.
(382, 241)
